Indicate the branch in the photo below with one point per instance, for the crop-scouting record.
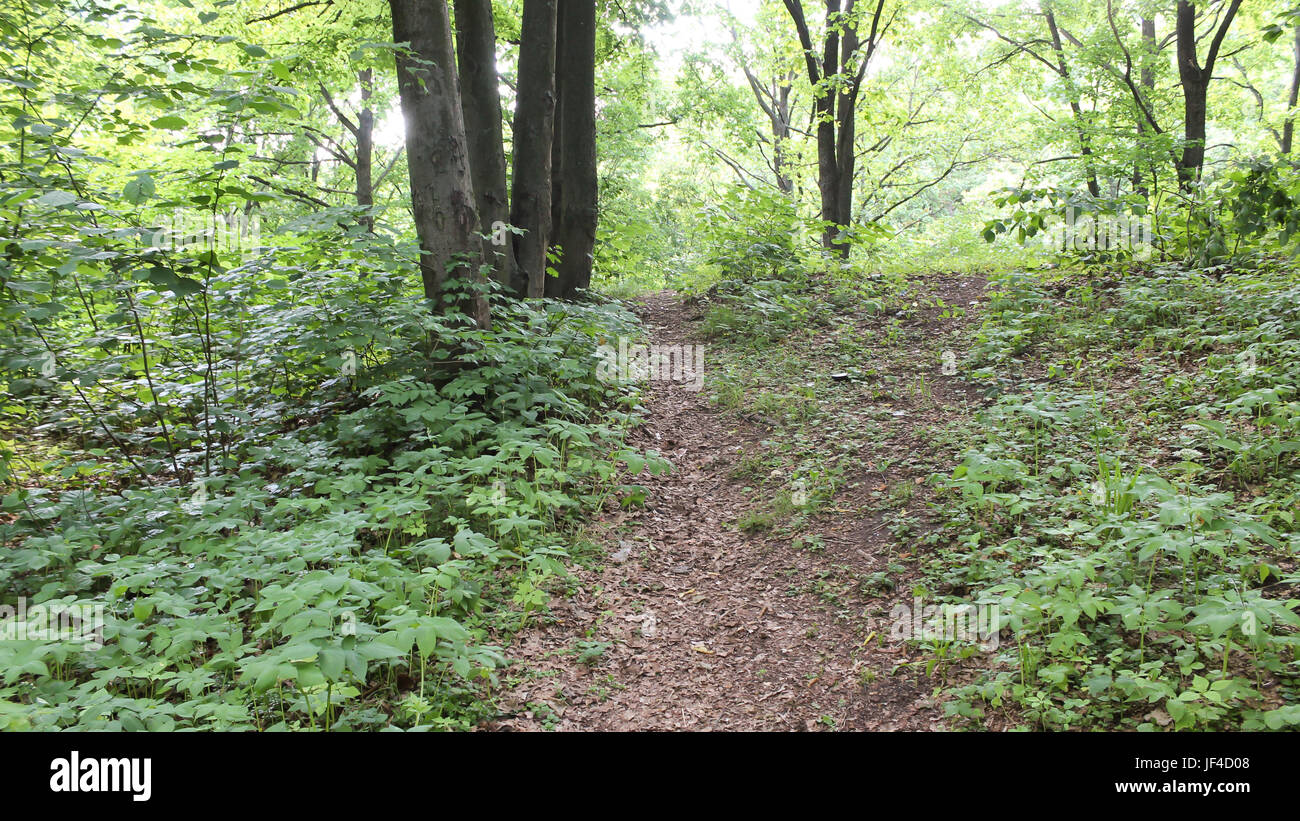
(735, 166)
(293, 192)
(795, 7)
(1021, 46)
(391, 163)
(1219, 35)
(952, 166)
(343, 118)
(290, 10)
(1127, 76)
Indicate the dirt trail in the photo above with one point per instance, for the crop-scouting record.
(712, 628)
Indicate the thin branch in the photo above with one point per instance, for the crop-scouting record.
(290, 10)
(343, 118)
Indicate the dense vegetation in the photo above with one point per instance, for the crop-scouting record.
(302, 309)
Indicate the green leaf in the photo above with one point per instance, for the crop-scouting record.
(449, 629)
(426, 638)
(56, 199)
(139, 189)
(169, 123)
(332, 663)
(377, 650)
(179, 285)
(266, 678)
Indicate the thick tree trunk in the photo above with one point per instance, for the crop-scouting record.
(365, 190)
(442, 192)
(845, 159)
(530, 206)
(476, 45)
(1195, 107)
(562, 12)
(1196, 83)
(828, 170)
(575, 232)
(836, 110)
(1288, 128)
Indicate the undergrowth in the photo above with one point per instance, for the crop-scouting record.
(301, 514)
(1130, 501)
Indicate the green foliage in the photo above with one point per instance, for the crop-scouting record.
(301, 495)
(1242, 217)
(751, 234)
(373, 548)
(1148, 587)
(1084, 223)
(304, 497)
(759, 311)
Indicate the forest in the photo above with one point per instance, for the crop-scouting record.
(612, 365)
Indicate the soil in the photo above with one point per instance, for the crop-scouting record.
(692, 623)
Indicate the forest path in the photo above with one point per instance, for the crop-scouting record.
(691, 622)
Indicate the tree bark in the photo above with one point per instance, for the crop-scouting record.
(774, 99)
(530, 205)
(1288, 128)
(1076, 108)
(781, 132)
(476, 45)
(828, 175)
(365, 190)
(1196, 83)
(557, 127)
(836, 111)
(1147, 84)
(363, 134)
(845, 159)
(442, 191)
(575, 232)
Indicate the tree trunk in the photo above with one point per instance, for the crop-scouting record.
(828, 171)
(774, 99)
(845, 159)
(442, 192)
(836, 110)
(1288, 128)
(530, 202)
(476, 55)
(1147, 83)
(1196, 83)
(365, 191)
(575, 232)
(1076, 109)
(562, 14)
(781, 133)
(1195, 90)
